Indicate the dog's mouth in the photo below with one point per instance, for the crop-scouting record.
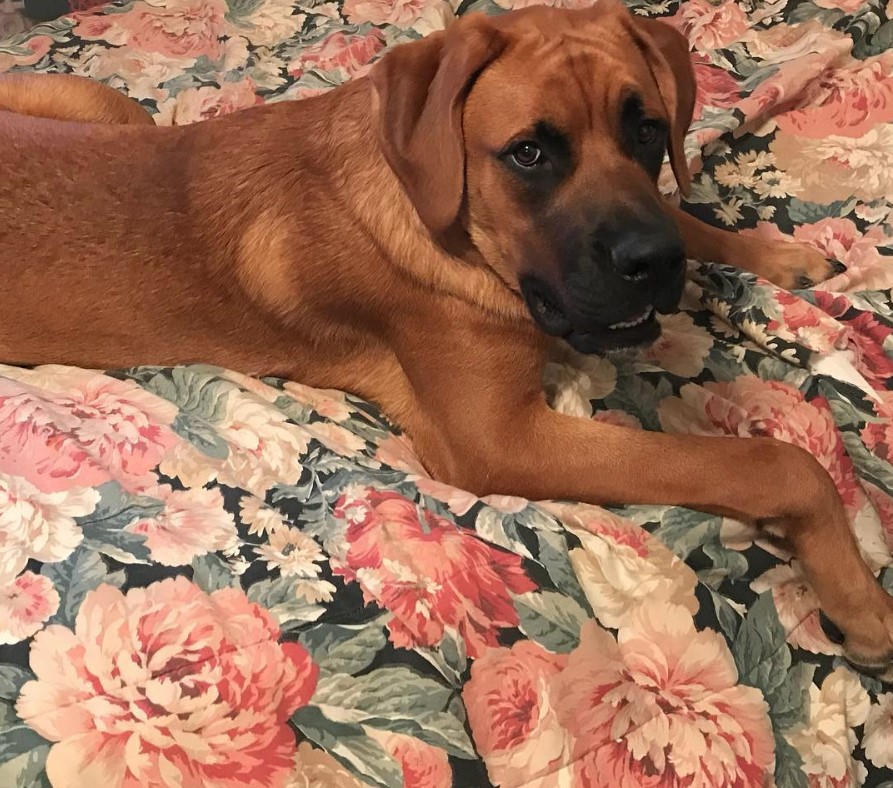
(638, 330)
(646, 315)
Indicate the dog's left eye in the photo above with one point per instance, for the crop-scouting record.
(527, 154)
(649, 132)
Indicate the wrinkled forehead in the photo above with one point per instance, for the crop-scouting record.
(573, 77)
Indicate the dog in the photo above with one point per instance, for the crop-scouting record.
(419, 237)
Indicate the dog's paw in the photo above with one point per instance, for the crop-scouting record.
(867, 639)
(795, 266)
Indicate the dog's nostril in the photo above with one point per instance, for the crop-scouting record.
(632, 269)
(641, 261)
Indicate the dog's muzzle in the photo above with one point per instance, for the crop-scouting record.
(610, 296)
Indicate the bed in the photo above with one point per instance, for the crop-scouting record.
(213, 580)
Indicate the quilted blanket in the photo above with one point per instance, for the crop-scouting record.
(211, 580)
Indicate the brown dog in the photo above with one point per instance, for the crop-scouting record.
(414, 238)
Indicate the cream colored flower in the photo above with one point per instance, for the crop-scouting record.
(336, 438)
(572, 381)
(682, 347)
(878, 736)
(826, 739)
(837, 167)
(775, 184)
(270, 23)
(292, 552)
(191, 466)
(434, 16)
(881, 211)
(326, 402)
(754, 160)
(314, 591)
(140, 71)
(38, 525)
(732, 176)
(757, 332)
(729, 212)
(620, 566)
(781, 42)
(722, 322)
(265, 449)
(260, 518)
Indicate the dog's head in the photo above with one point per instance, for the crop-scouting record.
(540, 134)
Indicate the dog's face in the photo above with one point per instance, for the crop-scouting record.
(540, 134)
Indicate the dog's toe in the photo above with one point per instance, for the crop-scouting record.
(831, 630)
(797, 267)
(837, 267)
(882, 671)
(820, 269)
(866, 638)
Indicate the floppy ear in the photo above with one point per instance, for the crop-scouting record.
(667, 53)
(421, 89)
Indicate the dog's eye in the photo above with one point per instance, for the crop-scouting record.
(649, 132)
(527, 154)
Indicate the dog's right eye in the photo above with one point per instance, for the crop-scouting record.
(649, 132)
(527, 154)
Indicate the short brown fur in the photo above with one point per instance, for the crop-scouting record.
(77, 98)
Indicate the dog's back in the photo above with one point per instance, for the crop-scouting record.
(126, 242)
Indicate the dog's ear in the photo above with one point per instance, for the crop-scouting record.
(421, 89)
(667, 53)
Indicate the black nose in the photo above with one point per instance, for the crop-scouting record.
(644, 248)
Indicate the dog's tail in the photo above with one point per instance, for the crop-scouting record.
(69, 97)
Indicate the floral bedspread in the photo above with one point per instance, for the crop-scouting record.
(210, 580)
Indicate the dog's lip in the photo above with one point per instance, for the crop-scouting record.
(609, 339)
(638, 329)
(646, 314)
(545, 309)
